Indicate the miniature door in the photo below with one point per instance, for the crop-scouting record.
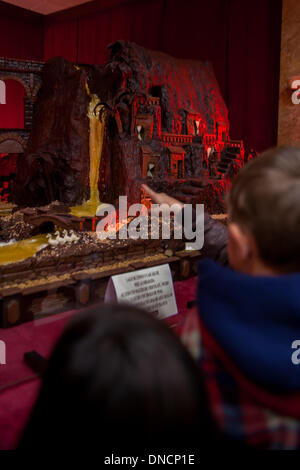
(144, 127)
(177, 165)
(150, 165)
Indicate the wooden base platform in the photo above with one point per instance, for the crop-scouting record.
(22, 301)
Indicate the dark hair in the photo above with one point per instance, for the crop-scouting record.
(117, 377)
(264, 199)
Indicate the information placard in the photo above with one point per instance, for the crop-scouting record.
(150, 288)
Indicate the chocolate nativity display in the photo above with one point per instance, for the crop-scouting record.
(99, 132)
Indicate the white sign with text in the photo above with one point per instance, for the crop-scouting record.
(150, 288)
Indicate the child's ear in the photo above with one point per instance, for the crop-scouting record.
(240, 247)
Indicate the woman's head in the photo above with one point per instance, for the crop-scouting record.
(117, 375)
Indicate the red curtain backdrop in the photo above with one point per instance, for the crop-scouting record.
(61, 39)
(21, 33)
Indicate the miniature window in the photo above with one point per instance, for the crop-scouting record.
(155, 91)
(141, 132)
(151, 170)
(180, 169)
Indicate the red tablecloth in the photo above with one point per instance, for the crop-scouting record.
(19, 387)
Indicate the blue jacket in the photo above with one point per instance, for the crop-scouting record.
(254, 320)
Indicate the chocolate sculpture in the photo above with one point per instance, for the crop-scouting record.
(98, 132)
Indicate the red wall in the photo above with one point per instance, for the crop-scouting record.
(21, 33)
(12, 113)
(241, 38)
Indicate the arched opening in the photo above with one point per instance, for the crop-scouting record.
(12, 112)
(46, 227)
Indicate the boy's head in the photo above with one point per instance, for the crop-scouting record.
(264, 212)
